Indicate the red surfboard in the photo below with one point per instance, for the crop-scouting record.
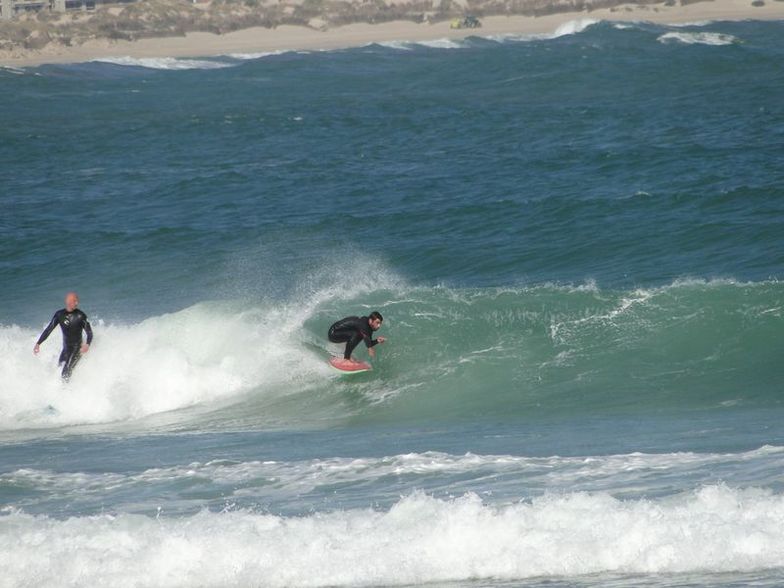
(346, 366)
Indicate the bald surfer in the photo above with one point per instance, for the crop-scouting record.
(353, 329)
(72, 322)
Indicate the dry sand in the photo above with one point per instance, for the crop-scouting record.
(261, 40)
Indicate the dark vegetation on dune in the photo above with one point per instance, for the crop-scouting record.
(165, 18)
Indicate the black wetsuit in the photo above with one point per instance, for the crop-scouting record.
(72, 323)
(351, 330)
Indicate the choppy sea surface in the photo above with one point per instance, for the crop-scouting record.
(577, 242)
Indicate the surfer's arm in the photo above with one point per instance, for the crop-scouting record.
(88, 330)
(371, 343)
(48, 330)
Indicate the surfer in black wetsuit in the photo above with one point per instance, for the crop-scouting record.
(353, 329)
(72, 322)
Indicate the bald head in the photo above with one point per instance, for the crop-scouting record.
(71, 301)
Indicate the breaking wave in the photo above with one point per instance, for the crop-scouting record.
(420, 539)
(451, 353)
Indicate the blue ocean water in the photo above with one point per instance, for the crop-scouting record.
(576, 240)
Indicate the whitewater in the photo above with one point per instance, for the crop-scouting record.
(574, 238)
(418, 540)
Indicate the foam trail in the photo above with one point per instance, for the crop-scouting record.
(442, 44)
(250, 56)
(287, 483)
(420, 539)
(307, 474)
(398, 45)
(702, 38)
(167, 63)
(694, 23)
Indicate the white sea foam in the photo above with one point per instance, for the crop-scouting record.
(443, 44)
(204, 354)
(698, 38)
(260, 55)
(420, 539)
(573, 27)
(695, 23)
(170, 63)
(398, 45)
(512, 37)
(607, 473)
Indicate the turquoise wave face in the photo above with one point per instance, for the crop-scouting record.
(582, 350)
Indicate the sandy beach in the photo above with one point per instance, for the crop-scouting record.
(286, 38)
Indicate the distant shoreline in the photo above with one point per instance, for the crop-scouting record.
(292, 38)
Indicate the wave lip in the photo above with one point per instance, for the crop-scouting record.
(573, 27)
(420, 539)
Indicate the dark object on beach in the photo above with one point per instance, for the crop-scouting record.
(758, 3)
(467, 22)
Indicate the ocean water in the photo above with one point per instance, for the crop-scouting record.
(576, 239)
